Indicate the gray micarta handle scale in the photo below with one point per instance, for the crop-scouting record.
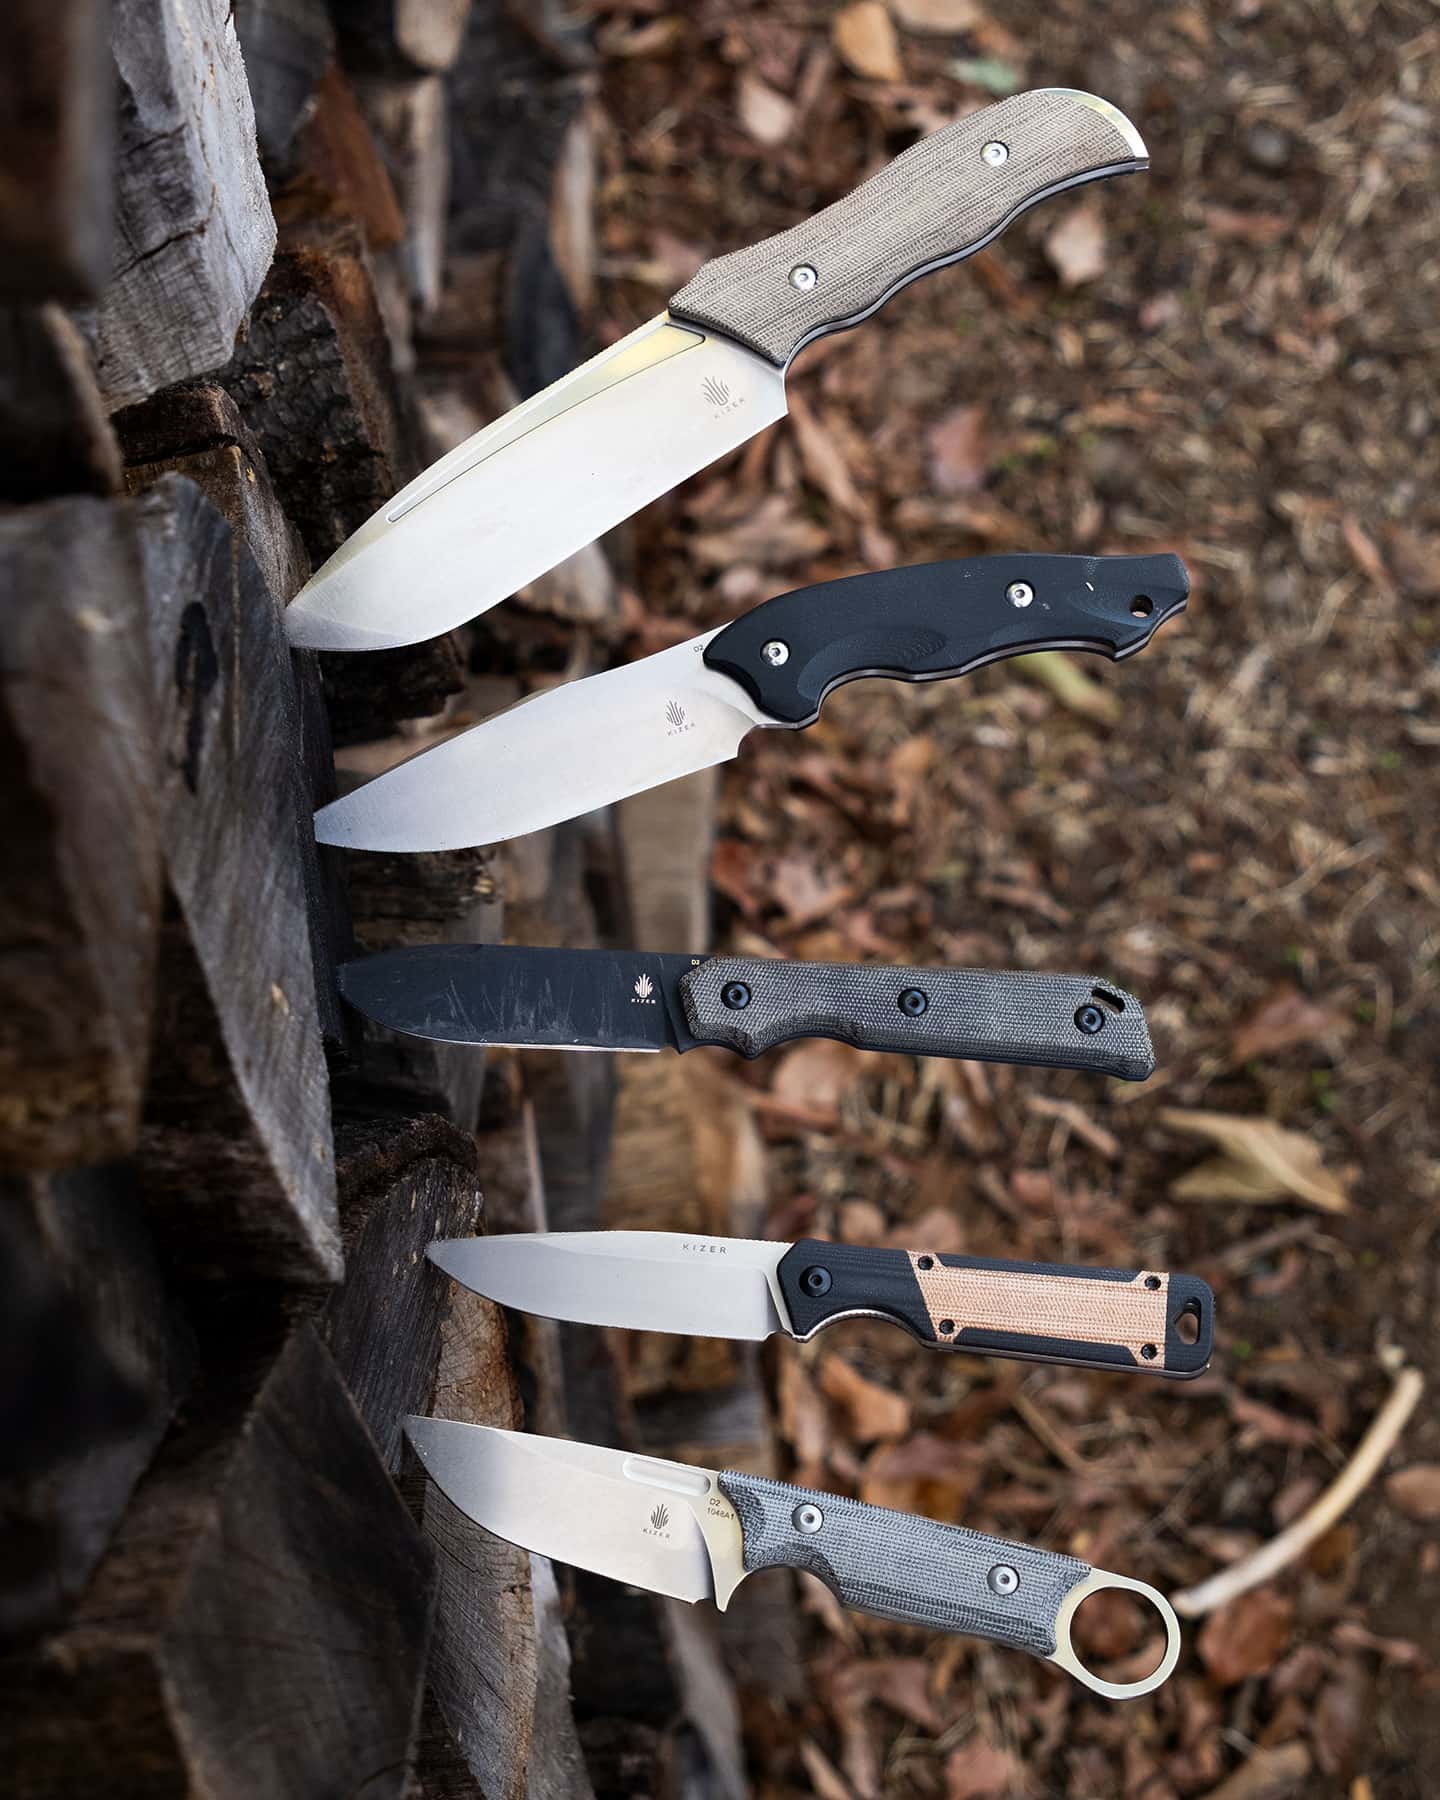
(913, 1570)
(942, 199)
(991, 1015)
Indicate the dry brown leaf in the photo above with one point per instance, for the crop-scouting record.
(900, 1682)
(804, 1419)
(1416, 561)
(825, 1778)
(1249, 228)
(937, 16)
(1076, 245)
(871, 1412)
(1076, 691)
(980, 1770)
(765, 114)
(861, 1222)
(1271, 1773)
(824, 459)
(923, 1474)
(817, 1074)
(864, 35)
(1416, 1491)
(1283, 1019)
(804, 892)
(1260, 1161)
(772, 534)
(1246, 1637)
(959, 450)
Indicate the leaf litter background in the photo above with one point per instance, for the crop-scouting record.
(1234, 357)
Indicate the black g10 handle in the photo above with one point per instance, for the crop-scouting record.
(940, 619)
(751, 1004)
(1144, 1319)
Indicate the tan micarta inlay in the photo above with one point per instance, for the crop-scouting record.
(1076, 1307)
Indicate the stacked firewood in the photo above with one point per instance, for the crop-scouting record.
(261, 263)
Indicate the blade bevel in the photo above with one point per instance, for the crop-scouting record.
(523, 996)
(483, 522)
(558, 754)
(632, 1518)
(638, 1280)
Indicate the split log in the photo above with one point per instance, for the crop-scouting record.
(196, 430)
(96, 1360)
(407, 35)
(335, 172)
(287, 45)
(236, 1152)
(54, 435)
(56, 139)
(338, 443)
(79, 910)
(409, 117)
(194, 229)
(260, 1623)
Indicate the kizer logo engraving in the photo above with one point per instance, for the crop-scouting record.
(703, 1249)
(644, 988)
(718, 394)
(659, 1525)
(677, 721)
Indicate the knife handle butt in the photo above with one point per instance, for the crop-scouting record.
(750, 1005)
(931, 621)
(1146, 1320)
(941, 1577)
(942, 199)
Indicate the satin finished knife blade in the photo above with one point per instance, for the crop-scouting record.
(589, 743)
(524, 997)
(1145, 1320)
(616, 433)
(695, 1534)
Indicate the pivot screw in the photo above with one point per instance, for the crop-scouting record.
(776, 653)
(816, 1282)
(996, 154)
(1089, 1018)
(807, 1517)
(803, 277)
(1019, 593)
(1002, 1579)
(913, 1002)
(736, 995)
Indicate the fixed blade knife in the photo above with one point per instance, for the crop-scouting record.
(589, 743)
(578, 458)
(525, 997)
(695, 1534)
(1150, 1320)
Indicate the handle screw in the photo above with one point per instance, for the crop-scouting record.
(996, 154)
(816, 1282)
(802, 276)
(1002, 1579)
(913, 1002)
(1019, 593)
(736, 995)
(1089, 1018)
(807, 1517)
(776, 653)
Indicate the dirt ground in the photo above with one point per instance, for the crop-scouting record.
(1233, 356)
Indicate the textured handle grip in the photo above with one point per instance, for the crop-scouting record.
(940, 619)
(1144, 1319)
(899, 1567)
(943, 199)
(991, 1015)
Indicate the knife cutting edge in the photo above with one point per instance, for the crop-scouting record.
(1138, 1319)
(589, 743)
(525, 997)
(695, 1534)
(569, 463)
